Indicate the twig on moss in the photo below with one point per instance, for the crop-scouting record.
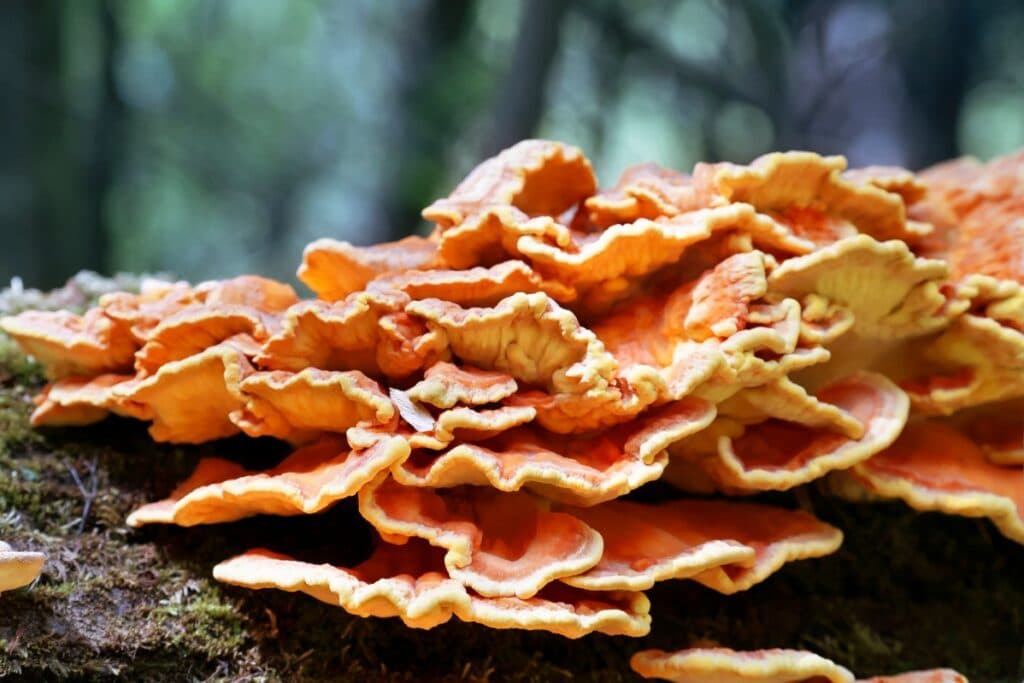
(88, 495)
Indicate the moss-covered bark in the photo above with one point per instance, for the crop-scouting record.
(906, 591)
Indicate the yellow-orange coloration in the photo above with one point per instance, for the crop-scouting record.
(727, 546)
(307, 481)
(491, 391)
(409, 582)
(934, 467)
(722, 665)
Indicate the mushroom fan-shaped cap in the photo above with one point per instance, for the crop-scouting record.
(83, 400)
(538, 177)
(779, 455)
(192, 400)
(446, 385)
(890, 292)
(476, 286)
(932, 466)
(18, 568)
(409, 582)
(725, 545)
(335, 269)
(643, 191)
(810, 193)
(367, 331)
(294, 405)
(975, 360)
(196, 328)
(632, 250)
(307, 481)
(68, 344)
(527, 336)
(722, 665)
(499, 544)
(579, 470)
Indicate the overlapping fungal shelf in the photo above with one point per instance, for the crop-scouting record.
(492, 394)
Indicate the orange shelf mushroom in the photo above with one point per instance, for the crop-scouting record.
(722, 665)
(493, 394)
(868, 412)
(18, 568)
(309, 480)
(409, 582)
(932, 466)
(726, 546)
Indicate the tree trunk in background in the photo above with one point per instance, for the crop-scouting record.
(18, 257)
(107, 140)
(60, 227)
(424, 116)
(68, 159)
(520, 100)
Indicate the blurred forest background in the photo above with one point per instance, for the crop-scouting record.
(207, 138)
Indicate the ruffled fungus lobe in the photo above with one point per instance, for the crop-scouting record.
(196, 328)
(445, 385)
(776, 535)
(786, 400)
(499, 544)
(156, 300)
(891, 179)
(890, 292)
(294, 405)
(698, 538)
(367, 331)
(307, 481)
(644, 191)
(261, 293)
(722, 665)
(932, 466)
(538, 177)
(477, 286)
(68, 344)
(715, 325)
(192, 400)
(409, 582)
(334, 269)
(527, 336)
(975, 360)
(82, 400)
(712, 336)
(18, 568)
(822, 321)
(632, 250)
(470, 424)
(930, 676)
(780, 455)
(808, 193)
(577, 470)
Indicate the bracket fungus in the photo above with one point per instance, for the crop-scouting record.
(722, 665)
(492, 395)
(932, 466)
(18, 568)
(409, 582)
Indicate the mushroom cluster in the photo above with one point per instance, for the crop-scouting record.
(491, 394)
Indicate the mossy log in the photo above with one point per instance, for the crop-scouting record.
(906, 590)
